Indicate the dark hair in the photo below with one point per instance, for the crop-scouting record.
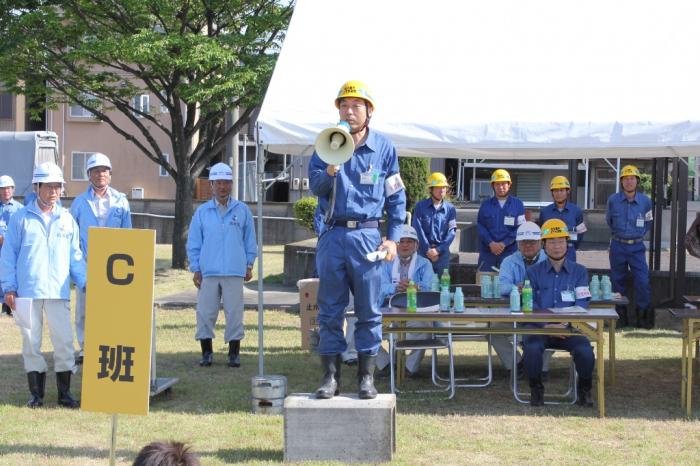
(166, 454)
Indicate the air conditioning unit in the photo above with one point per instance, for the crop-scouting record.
(137, 193)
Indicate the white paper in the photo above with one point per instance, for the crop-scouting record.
(23, 312)
(375, 256)
(569, 310)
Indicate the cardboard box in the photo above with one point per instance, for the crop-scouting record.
(308, 309)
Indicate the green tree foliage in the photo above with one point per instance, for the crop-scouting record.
(414, 173)
(198, 59)
(304, 210)
(645, 184)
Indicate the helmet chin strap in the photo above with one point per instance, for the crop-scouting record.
(366, 123)
(556, 258)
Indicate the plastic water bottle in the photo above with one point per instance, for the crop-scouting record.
(595, 288)
(496, 287)
(514, 299)
(411, 297)
(527, 297)
(435, 284)
(606, 287)
(486, 286)
(445, 299)
(445, 279)
(459, 300)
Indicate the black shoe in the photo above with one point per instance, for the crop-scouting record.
(536, 392)
(37, 381)
(520, 369)
(622, 314)
(585, 397)
(330, 384)
(207, 352)
(645, 318)
(365, 376)
(65, 398)
(383, 373)
(234, 348)
(79, 359)
(6, 310)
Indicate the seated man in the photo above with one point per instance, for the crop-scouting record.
(406, 266)
(558, 282)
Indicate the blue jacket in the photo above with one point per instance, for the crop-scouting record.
(434, 227)
(6, 211)
(222, 246)
(38, 261)
(422, 276)
(622, 215)
(572, 215)
(119, 214)
(513, 271)
(491, 221)
(550, 288)
(367, 184)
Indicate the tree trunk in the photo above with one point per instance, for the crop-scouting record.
(183, 215)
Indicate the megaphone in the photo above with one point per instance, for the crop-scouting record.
(334, 145)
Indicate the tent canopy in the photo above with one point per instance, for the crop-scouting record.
(498, 79)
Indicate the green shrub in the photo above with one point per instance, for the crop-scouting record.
(645, 184)
(304, 210)
(414, 173)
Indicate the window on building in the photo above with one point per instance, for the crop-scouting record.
(142, 104)
(79, 165)
(6, 101)
(76, 111)
(163, 108)
(162, 171)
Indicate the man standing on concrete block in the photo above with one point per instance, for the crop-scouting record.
(354, 196)
(497, 222)
(40, 256)
(99, 206)
(8, 206)
(435, 221)
(222, 249)
(629, 215)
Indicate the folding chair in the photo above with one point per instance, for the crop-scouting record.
(568, 397)
(427, 301)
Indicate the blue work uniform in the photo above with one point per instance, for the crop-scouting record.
(514, 271)
(572, 216)
(629, 221)
(436, 228)
(422, 276)
(498, 224)
(6, 211)
(366, 185)
(83, 210)
(567, 287)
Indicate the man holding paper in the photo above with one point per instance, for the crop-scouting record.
(40, 256)
(558, 282)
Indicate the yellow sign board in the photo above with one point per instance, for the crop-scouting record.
(118, 321)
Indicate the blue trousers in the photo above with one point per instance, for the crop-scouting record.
(578, 346)
(626, 258)
(441, 264)
(487, 259)
(343, 267)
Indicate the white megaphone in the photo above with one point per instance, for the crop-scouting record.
(335, 145)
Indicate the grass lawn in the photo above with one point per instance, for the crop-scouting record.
(211, 407)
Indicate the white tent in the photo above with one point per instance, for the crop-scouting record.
(496, 79)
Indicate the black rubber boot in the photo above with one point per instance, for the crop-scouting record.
(37, 382)
(207, 352)
(622, 314)
(234, 349)
(536, 392)
(365, 376)
(585, 397)
(331, 376)
(65, 399)
(645, 319)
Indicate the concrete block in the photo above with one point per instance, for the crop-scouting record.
(343, 428)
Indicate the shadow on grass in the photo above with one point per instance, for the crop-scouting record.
(647, 335)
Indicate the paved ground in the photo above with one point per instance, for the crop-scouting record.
(279, 296)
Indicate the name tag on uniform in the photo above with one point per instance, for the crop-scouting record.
(567, 296)
(369, 177)
(582, 292)
(2, 224)
(509, 221)
(573, 236)
(640, 222)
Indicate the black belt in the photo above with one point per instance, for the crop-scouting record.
(628, 241)
(355, 224)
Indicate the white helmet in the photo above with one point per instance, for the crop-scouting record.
(98, 160)
(407, 231)
(6, 181)
(528, 231)
(47, 172)
(220, 171)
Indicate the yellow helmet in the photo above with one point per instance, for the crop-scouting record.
(554, 228)
(630, 170)
(500, 175)
(355, 89)
(437, 180)
(559, 182)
